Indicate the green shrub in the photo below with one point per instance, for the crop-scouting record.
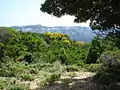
(56, 66)
(53, 77)
(109, 71)
(43, 82)
(2, 84)
(33, 71)
(95, 50)
(49, 79)
(81, 64)
(105, 78)
(27, 77)
(72, 74)
(11, 69)
(17, 87)
(110, 59)
(93, 67)
(71, 68)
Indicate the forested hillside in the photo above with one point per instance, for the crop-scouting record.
(27, 57)
(78, 33)
(47, 47)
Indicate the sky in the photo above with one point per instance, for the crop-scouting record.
(27, 12)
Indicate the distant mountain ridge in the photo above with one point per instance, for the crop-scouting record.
(74, 32)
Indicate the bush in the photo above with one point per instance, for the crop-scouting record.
(93, 67)
(27, 77)
(95, 50)
(2, 84)
(7, 83)
(33, 71)
(72, 74)
(11, 69)
(110, 59)
(49, 79)
(72, 68)
(110, 67)
(56, 66)
(53, 77)
(104, 78)
(17, 87)
(43, 82)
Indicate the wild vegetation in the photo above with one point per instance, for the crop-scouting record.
(50, 61)
(30, 56)
(104, 51)
(43, 59)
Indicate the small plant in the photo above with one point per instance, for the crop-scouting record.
(2, 84)
(110, 68)
(33, 71)
(11, 69)
(17, 87)
(93, 67)
(52, 78)
(72, 68)
(72, 74)
(27, 77)
(43, 82)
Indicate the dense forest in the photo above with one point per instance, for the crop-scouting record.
(26, 56)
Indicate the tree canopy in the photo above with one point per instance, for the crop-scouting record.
(103, 14)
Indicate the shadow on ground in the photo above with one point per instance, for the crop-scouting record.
(78, 84)
(73, 84)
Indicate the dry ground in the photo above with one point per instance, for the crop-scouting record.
(74, 81)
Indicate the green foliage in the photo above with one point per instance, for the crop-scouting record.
(2, 84)
(7, 83)
(95, 50)
(27, 56)
(50, 74)
(11, 69)
(110, 68)
(52, 78)
(56, 36)
(98, 46)
(93, 67)
(77, 43)
(102, 14)
(27, 77)
(72, 68)
(17, 87)
(43, 82)
(33, 48)
(113, 40)
(110, 60)
(33, 71)
(72, 74)
(104, 78)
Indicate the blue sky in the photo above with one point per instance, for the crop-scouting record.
(27, 12)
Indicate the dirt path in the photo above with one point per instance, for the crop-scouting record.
(73, 81)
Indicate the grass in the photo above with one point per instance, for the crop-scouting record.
(41, 73)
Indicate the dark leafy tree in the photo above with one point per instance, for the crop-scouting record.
(94, 51)
(103, 14)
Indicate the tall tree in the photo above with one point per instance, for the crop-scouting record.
(103, 14)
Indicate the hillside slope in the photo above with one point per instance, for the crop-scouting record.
(74, 32)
